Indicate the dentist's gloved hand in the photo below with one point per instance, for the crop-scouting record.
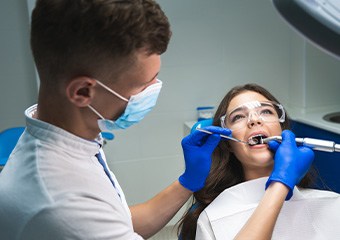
(291, 163)
(197, 149)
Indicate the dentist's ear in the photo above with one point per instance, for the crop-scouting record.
(80, 91)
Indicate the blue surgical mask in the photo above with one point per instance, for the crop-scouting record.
(138, 106)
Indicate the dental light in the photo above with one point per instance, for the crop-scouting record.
(317, 20)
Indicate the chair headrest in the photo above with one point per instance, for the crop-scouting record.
(202, 123)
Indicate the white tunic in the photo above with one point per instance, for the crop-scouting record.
(309, 214)
(53, 187)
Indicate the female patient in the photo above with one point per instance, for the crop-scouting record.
(235, 186)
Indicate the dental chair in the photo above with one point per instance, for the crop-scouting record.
(8, 140)
(201, 124)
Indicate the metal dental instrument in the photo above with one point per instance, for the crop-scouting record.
(223, 136)
(315, 144)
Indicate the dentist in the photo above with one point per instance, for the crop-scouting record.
(98, 63)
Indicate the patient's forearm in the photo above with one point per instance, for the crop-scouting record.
(261, 224)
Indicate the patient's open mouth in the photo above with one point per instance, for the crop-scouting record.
(256, 139)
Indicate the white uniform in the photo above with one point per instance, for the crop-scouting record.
(53, 187)
(309, 214)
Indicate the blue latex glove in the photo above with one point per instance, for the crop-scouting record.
(291, 163)
(197, 149)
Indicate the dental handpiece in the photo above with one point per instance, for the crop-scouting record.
(315, 144)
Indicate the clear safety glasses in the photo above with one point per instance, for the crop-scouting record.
(266, 111)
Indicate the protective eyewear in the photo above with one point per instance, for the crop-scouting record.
(266, 111)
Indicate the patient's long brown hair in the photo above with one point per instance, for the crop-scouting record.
(226, 170)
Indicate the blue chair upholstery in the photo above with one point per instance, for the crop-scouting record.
(201, 124)
(8, 140)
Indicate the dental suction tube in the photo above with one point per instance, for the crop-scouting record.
(315, 144)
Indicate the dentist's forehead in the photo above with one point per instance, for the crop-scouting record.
(245, 97)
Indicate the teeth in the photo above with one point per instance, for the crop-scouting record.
(256, 139)
(257, 136)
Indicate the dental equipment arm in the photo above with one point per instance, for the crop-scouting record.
(315, 144)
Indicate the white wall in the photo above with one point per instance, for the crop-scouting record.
(323, 79)
(315, 77)
(18, 86)
(216, 44)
